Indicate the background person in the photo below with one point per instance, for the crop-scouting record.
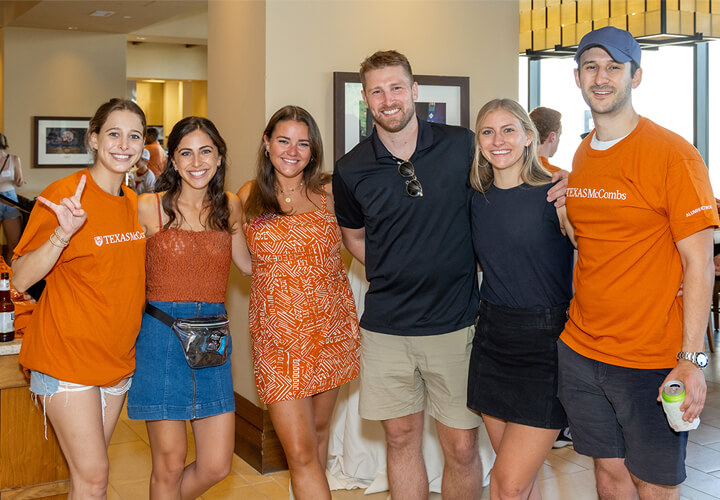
(84, 238)
(642, 207)
(520, 243)
(11, 176)
(156, 164)
(549, 128)
(142, 179)
(192, 225)
(305, 335)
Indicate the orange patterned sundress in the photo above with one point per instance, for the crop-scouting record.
(304, 328)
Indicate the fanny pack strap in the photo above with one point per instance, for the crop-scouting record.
(159, 314)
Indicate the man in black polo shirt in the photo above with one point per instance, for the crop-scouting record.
(401, 199)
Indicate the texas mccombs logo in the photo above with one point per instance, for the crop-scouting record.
(109, 239)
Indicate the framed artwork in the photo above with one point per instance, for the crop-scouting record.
(60, 142)
(441, 99)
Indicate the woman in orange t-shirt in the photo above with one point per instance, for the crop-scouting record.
(84, 238)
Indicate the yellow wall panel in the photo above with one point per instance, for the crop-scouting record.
(553, 36)
(702, 6)
(569, 35)
(687, 22)
(525, 41)
(553, 16)
(687, 5)
(673, 22)
(600, 9)
(600, 23)
(538, 19)
(584, 10)
(653, 23)
(539, 41)
(636, 24)
(525, 21)
(583, 29)
(618, 21)
(568, 13)
(703, 23)
(618, 8)
(715, 28)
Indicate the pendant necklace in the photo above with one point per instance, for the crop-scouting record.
(290, 192)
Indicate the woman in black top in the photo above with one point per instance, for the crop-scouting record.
(521, 244)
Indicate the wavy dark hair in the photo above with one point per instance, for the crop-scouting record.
(216, 201)
(102, 114)
(262, 198)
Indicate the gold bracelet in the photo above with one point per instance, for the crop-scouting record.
(65, 241)
(56, 241)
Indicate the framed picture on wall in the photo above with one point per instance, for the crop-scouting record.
(441, 99)
(60, 142)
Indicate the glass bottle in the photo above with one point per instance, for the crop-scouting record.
(7, 310)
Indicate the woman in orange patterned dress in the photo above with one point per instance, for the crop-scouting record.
(304, 328)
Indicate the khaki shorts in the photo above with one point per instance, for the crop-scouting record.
(396, 372)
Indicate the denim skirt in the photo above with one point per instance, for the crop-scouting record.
(164, 386)
(513, 365)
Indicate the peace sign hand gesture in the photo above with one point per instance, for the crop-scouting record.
(69, 212)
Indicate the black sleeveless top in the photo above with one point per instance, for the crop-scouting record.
(526, 260)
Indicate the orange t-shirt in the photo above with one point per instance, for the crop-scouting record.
(548, 166)
(157, 160)
(629, 205)
(87, 320)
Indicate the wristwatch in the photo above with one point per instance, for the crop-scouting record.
(699, 359)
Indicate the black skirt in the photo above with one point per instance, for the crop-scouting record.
(513, 366)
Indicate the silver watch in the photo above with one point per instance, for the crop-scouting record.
(699, 359)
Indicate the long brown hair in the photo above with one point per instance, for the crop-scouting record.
(216, 202)
(532, 171)
(262, 198)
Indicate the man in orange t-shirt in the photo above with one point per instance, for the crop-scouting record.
(640, 201)
(157, 161)
(547, 123)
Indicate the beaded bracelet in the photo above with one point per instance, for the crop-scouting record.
(58, 241)
(65, 241)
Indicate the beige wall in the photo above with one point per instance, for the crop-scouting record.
(475, 38)
(55, 73)
(166, 61)
(236, 103)
(304, 43)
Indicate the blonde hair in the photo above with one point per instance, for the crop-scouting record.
(532, 171)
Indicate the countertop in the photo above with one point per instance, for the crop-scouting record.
(10, 347)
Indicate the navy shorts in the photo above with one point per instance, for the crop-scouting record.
(164, 386)
(614, 413)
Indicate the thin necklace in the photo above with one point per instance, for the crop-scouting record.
(289, 192)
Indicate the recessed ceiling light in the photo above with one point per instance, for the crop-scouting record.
(139, 38)
(72, 27)
(102, 13)
(127, 17)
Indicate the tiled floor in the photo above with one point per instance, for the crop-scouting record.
(564, 476)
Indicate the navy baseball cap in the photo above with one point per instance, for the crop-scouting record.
(620, 44)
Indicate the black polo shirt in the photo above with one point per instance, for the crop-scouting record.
(418, 251)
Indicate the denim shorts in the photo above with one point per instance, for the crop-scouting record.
(614, 413)
(7, 212)
(46, 386)
(164, 385)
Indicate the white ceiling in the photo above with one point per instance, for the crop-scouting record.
(167, 21)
